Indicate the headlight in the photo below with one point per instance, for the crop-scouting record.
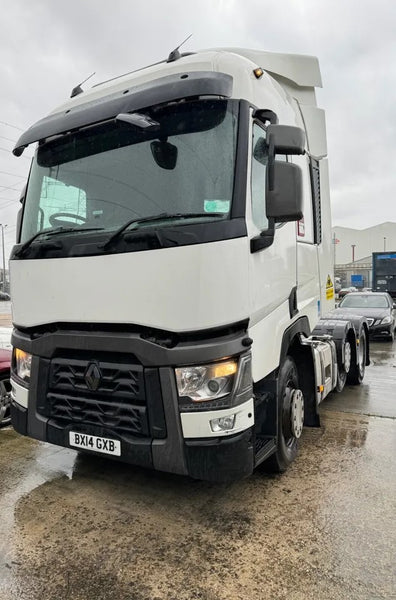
(226, 383)
(22, 363)
(206, 382)
(386, 320)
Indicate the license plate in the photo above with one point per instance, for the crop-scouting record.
(94, 443)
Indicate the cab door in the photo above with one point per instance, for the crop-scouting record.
(308, 279)
(272, 270)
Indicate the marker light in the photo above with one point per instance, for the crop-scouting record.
(22, 362)
(258, 72)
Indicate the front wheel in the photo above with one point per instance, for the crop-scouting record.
(358, 365)
(290, 417)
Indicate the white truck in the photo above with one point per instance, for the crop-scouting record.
(173, 265)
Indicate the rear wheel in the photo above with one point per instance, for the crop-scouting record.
(358, 365)
(290, 417)
(5, 399)
(343, 366)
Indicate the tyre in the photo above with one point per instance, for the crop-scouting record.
(344, 366)
(290, 417)
(391, 337)
(358, 365)
(5, 399)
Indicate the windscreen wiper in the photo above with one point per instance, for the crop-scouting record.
(50, 232)
(153, 218)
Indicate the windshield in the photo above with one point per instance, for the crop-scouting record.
(364, 301)
(179, 162)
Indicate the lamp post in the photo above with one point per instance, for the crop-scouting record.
(353, 246)
(384, 244)
(2, 243)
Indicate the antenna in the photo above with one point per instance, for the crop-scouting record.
(175, 54)
(78, 89)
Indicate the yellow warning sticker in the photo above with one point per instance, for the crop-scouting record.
(329, 288)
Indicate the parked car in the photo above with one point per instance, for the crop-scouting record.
(5, 296)
(344, 291)
(377, 307)
(5, 387)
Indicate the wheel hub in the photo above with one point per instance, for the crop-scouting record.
(297, 413)
(347, 357)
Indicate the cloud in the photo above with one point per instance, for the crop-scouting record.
(48, 47)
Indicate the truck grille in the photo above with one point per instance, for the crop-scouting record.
(117, 416)
(97, 393)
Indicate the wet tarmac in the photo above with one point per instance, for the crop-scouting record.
(82, 528)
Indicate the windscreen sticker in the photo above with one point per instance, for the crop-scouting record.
(329, 288)
(216, 206)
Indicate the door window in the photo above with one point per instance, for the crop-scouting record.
(259, 168)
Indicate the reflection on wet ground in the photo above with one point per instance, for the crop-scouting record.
(79, 527)
(377, 394)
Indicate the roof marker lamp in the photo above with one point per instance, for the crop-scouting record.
(22, 363)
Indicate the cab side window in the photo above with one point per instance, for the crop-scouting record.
(258, 173)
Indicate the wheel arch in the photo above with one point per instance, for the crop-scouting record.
(302, 356)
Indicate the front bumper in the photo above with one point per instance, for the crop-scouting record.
(159, 438)
(379, 330)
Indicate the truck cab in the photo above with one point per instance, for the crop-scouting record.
(173, 265)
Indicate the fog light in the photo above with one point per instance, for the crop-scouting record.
(223, 423)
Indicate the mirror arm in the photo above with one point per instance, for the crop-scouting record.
(271, 161)
(261, 241)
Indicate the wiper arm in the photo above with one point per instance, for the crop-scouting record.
(51, 232)
(152, 219)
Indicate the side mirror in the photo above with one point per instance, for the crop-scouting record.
(284, 192)
(285, 139)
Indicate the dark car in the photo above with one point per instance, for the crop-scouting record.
(377, 307)
(5, 387)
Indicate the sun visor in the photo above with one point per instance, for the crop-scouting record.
(158, 91)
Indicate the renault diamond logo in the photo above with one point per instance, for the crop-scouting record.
(93, 376)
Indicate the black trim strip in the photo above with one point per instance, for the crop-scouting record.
(157, 91)
(91, 243)
(241, 163)
(150, 350)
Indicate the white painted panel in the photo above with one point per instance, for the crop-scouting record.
(197, 424)
(267, 337)
(19, 394)
(177, 289)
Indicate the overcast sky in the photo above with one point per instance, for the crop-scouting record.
(49, 46)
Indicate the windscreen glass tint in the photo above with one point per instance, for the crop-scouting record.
(365, 301)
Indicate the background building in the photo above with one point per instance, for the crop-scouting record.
(358, 273)
(353, 250)
(356, 244)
